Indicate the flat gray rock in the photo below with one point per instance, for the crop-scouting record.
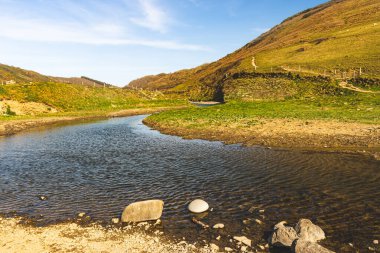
(302, 246)
(308, 231)
(143, 211)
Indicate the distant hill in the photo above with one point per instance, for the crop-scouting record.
(337, 39)
(19, 75)
(12, 74)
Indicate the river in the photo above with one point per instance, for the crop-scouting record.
(100, 167)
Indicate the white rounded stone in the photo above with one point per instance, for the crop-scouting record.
(219, 225)
(198, 206)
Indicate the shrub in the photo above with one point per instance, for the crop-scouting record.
(9, 112)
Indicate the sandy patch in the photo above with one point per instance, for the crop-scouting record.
(71, 237)
(288, 133)
(27, 108)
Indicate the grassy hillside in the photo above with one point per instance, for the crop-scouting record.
(19, 75)
(334, 39)
(77, 98)
(22, 76)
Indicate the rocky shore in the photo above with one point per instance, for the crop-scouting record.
(140, 230)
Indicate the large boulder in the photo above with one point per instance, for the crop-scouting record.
(308, 231)
(282, 235)
(143, 211)
(302, 246)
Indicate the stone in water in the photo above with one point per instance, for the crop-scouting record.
(219, 225)
(143, 211)
(198, 206)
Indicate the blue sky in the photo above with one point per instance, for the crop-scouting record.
(119, 40)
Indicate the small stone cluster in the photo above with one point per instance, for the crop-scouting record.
(303, 238)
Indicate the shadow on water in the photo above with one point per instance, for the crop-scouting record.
(100, 167)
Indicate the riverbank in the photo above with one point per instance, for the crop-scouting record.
(288, 124)
(71, 237)
(284, 133)
(15, 125)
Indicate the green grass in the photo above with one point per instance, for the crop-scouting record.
(336, 38)
(70, 99)
(363, 108)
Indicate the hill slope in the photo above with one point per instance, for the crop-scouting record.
(21, 76)
(334, 39)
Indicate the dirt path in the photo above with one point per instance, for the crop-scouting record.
(342, 84)
(348, 86)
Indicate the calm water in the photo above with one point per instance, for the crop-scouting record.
(100, 167)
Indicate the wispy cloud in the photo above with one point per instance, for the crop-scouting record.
(95, 26)
(152, 17)
(100, 34)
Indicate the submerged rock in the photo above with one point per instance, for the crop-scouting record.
(43, 198)
(308, 231)
(200, 223)
(302, 246)
(258, 221)
(243, 240)
(282, 235)
(143, 211)
(198, 206)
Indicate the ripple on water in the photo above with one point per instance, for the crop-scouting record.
(100, 167)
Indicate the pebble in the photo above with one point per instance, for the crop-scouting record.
(258, 221)
(142, 224)
(219, 225)
(115, 220)
(351, 244)
(228, 249)
(218, 238)
(376, 242)
(261, 247)
(243, 248)
(243, 239)
(371, 248)
(246, 222)
(198, 206)
(261, 211)
(214, 247)
(43, 198)
(81, 215)
(158, 222)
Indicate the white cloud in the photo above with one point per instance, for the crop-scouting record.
(41, 30)
(153, 17)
